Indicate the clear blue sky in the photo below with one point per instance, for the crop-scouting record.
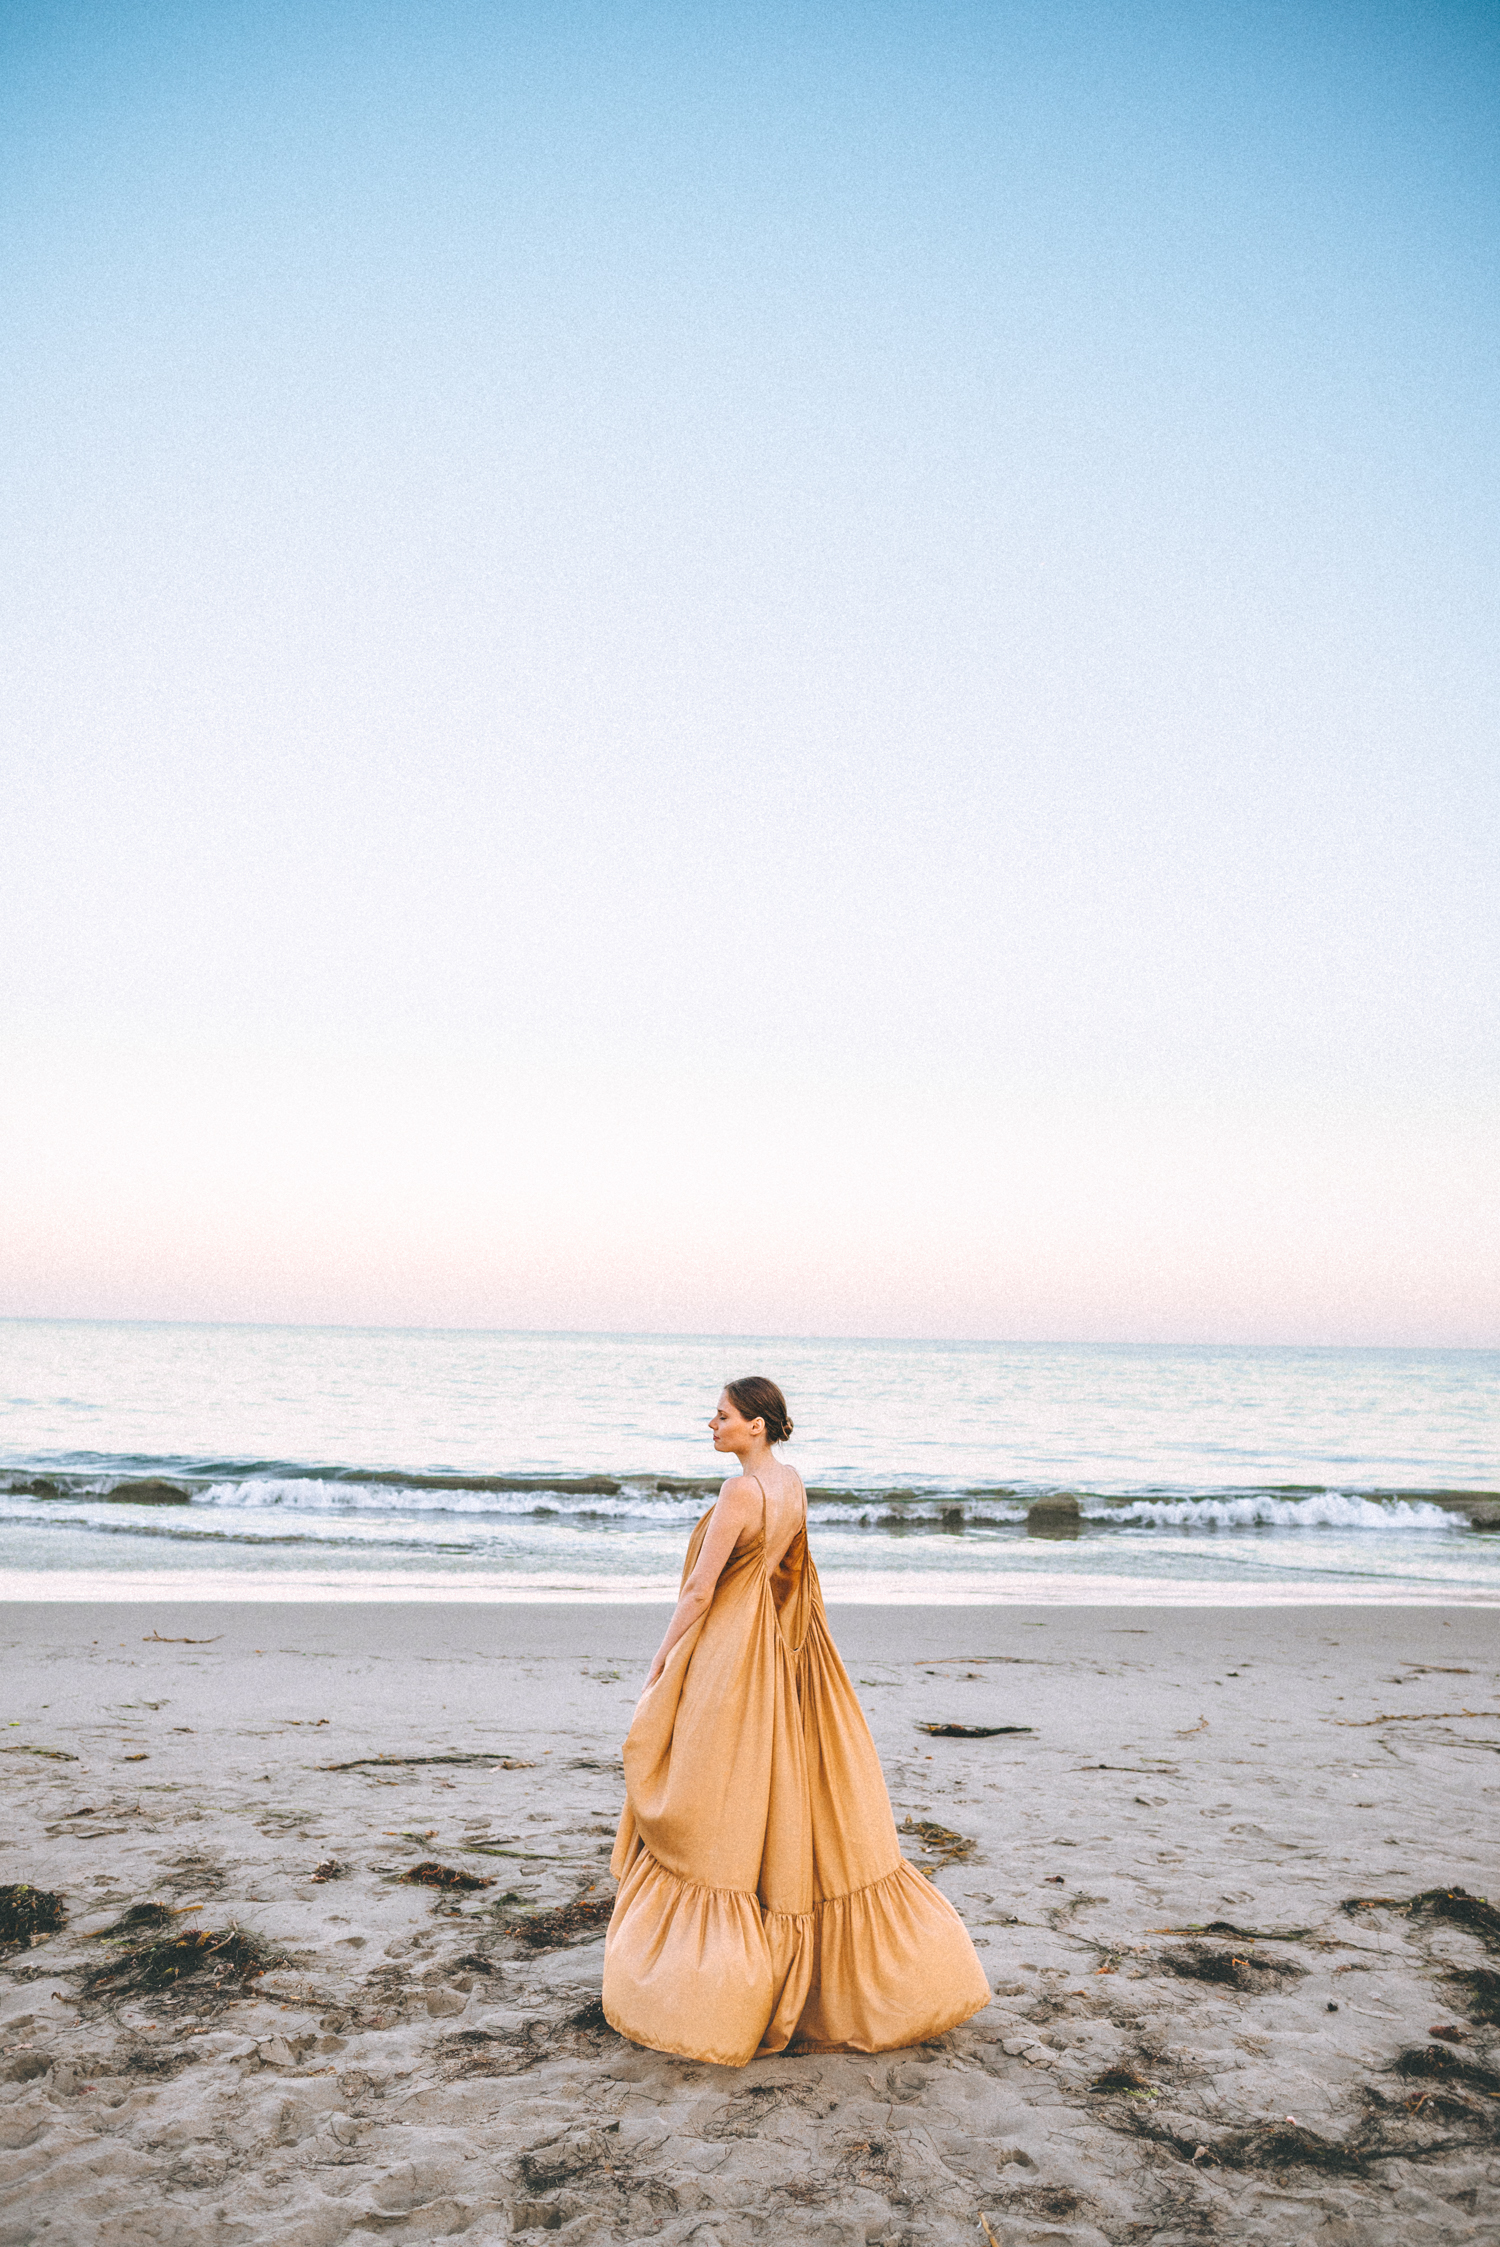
(768, 669)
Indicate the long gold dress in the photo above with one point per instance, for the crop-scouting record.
(764, 1901)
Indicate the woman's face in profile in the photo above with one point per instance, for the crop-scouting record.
(729, 1427)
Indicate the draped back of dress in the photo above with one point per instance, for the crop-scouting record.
(764, 1902)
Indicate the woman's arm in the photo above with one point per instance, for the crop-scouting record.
(737, 1508)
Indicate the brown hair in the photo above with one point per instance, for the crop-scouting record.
(758, 1399)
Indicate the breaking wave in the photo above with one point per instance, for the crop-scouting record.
(372, 1501)
(1329, 1509)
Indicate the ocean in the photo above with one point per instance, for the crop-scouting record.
(195, 1461)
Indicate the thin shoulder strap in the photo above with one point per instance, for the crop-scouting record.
(760, 1486)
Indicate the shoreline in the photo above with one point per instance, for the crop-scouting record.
(1195, 1879)
(560, 1617)
(842, 1591)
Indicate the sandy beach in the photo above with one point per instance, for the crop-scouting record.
(1214, 1884)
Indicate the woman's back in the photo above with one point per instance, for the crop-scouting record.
(783, 1513)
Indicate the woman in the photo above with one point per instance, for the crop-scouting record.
(764, 1901)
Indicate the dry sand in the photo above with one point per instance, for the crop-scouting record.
(427, 2064)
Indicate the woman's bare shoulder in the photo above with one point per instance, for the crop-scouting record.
(739, 1490)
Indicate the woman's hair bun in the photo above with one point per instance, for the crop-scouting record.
(758, 1399)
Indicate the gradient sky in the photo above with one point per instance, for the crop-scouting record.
(751, 668)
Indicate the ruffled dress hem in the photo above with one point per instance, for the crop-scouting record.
(877, 1968)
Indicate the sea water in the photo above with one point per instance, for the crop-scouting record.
(345, 1462)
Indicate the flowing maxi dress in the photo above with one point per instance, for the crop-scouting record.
(764, 1901)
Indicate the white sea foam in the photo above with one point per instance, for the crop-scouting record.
(1327, 1509)
(632, 1502)
(370, 1507)
(314, 1494)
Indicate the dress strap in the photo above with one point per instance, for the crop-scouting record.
(760, 1486)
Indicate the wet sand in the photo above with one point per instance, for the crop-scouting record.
(1192, 2037)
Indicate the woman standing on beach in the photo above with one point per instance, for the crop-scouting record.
(764, 1901)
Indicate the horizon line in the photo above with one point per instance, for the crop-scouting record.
(689, 1334)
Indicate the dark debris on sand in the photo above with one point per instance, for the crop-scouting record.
(513, 2051)
(972, 1731)
(1289, 2145)
(1456, 2108)
(1124, 2077)
(1242, 1934)
(481, 1762)
(1455, 1907)
(135, 1922)
(1438, 2063)
(430, 1874)
(230, 1957)
(1200, 1962)
(1481, 1991)
(27, 1912)
(943, 1846)
(552, 1930)
(474, 1962)
(1045, 2203)
(1272, 2145)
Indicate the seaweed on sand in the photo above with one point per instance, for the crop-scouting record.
(430, 1874)
(1125, 2076)
(230, 1957)
(972, 1731)
(943, 1846)
(1455, 1906)
(1199, 1962)
(512, 2051)
(481, 1762)
(1283, 2143)
(135, 1922)
(1459, 1909)
(551, 1930)
(1438, 2062)
(1047, 2202)
(1242, 1934)
(1391, 2129)
(27, 1912)
(570, 2155)
(1290, 2145)
(1481, 1988)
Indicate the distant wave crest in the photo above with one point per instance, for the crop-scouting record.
(642, 1502)
(1329, 1509)
(625, 1502)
